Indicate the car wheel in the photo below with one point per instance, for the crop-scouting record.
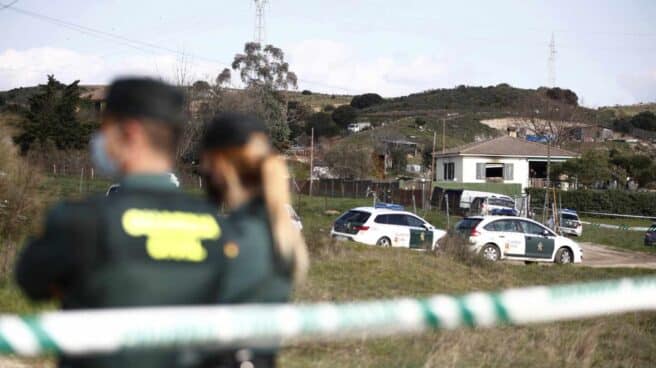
(384, 242)
(564, 256)
(491, 252)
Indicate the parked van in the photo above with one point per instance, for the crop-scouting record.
(468, 196)
(493, 206)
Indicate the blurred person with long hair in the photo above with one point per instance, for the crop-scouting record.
(266, 254)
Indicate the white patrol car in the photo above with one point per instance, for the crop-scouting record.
(386, 226)
(570, 223)
(517, 238)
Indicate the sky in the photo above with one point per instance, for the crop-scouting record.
(605, 49)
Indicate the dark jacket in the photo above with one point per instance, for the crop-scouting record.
(253, 273)
(148, 245)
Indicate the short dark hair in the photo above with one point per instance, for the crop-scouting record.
(146, 98)
(163, 138)
(158, 106)
(231, 129)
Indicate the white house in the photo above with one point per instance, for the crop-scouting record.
(504, 159)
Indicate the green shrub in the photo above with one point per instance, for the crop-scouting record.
(21, 201)
(366, 100)
(609, 201)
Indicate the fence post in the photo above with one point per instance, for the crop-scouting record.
(448, 220)
(81, 179)
(93, 174)
(423, 196)
(414, 203)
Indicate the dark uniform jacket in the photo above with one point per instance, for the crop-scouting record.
(253, 273)
(147, 245)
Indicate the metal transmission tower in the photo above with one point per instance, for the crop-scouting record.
(260, 25)
(552, 62)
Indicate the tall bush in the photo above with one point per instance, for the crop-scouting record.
(608, 201)
(21, 201)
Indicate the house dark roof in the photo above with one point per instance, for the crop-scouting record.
(507, 146)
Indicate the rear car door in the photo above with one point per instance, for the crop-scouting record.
(508, 235)
(420, 236)
(349, 222)
(537, 244)
(398, 230)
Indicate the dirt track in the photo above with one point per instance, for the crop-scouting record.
(595, 255)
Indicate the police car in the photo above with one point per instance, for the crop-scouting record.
(570, 223)
(517, 238)
(386, 225)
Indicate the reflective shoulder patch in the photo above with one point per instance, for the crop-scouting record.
(172, 235)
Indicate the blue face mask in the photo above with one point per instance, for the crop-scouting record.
(101, 160)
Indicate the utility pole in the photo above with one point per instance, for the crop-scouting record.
(548, 184)
(433, 169)
(443, 136)
(260, 21)
(311, 161)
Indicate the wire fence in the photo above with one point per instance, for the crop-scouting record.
(415, 194)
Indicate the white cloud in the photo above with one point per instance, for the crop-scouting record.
(332, 64)
(29, 67)
(640, 86)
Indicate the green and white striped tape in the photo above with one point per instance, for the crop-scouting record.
(103, 331)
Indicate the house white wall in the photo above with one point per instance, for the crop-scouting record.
(465, 169)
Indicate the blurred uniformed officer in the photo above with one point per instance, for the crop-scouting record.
(149, 244)
(265, 251)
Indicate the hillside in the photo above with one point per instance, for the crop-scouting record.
(459, 130)
(317, 101)
(500, 99)
(630, 110)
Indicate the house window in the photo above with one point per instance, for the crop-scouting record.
(494, 172)
(449, 171)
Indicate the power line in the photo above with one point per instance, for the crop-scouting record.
(139, 45)
(8, 5)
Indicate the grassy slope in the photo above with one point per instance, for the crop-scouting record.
(621, 239)
(320, 100)
(458, 131)
(630, 110)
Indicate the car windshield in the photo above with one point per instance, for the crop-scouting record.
(467, 224)
(501, 202)
(359, 217)
(569, 216)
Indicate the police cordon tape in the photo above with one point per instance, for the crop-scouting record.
(616, 227)
(104, 331)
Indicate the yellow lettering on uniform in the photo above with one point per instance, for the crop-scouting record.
(172, 235)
